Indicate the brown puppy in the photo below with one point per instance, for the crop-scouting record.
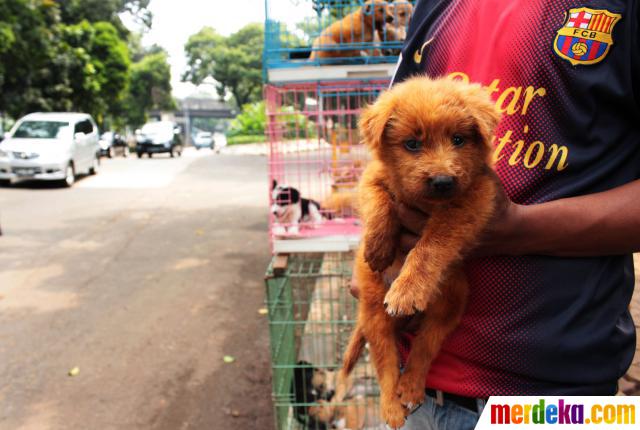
(396, 30)
(357, 27)
(431, 147)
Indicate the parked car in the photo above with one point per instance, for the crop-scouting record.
(203, 139)
(160, 136)
(112, 143)
(50, 147)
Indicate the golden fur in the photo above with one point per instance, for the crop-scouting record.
(396, 30)
(342, 203)
(430, 279)
(357, 27)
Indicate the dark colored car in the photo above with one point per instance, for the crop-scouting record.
(112, 144)
(157, 137)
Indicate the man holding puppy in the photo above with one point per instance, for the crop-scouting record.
(553, 278)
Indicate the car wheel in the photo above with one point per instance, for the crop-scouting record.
(126, 152)
(150, 154)
(95, 166)
(139, 154)
(110, 152)
(5, 182)
(171, 153)
(70, 176)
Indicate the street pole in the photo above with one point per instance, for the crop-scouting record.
(187, 139)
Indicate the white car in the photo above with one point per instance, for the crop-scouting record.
(203, 139)
(50, 147)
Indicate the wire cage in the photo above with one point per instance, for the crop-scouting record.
(311, 316)
(329, 32)
(315, 161)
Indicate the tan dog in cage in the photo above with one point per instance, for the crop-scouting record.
(360, 26)
(431, 146)
(396, 30)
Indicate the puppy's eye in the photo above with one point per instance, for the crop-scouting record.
(458, 140)
(413, 145)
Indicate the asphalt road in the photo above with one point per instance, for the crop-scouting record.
(143, 277)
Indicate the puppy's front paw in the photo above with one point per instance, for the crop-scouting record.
(393, 413)
(410, 391)
(404, 298)
(379, 253)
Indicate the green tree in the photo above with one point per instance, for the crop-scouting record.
(75, 11)
(149, 88)
(47, 64)
(28, 33)
(235, 62)
(251, 121)
(96, 63)
(136, 51)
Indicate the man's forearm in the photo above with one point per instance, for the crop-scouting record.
(606, 223)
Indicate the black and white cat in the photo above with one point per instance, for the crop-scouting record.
(290, 209)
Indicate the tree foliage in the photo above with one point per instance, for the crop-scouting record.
(96, 66)
(149, 87)
(73, 55)
(251, 121)
(235, 62)
(27, 34)
(74, 11)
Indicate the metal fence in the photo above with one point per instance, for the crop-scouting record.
(315, 149)
(311, 316)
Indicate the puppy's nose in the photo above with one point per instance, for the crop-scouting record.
(442, 185)
(389, 19)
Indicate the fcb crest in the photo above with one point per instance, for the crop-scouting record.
(585, 37)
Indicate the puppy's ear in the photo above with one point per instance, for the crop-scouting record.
(486, 114)
(374, 120)
(295, 196)
(274, 184)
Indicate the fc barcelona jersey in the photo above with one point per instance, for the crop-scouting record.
(566, 76)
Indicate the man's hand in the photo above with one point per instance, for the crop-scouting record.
(497, 238)
(494, 241)
(606, 223)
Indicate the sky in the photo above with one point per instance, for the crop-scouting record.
(175, 20)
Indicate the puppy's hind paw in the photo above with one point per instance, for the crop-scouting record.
(410, 391)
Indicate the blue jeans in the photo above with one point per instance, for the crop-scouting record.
(449, 416)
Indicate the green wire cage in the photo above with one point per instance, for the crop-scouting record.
(311, 316)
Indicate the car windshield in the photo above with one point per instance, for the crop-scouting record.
(41, 130)
(157, 128)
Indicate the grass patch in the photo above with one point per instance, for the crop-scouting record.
(240, 140)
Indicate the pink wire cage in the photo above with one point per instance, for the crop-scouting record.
(314, 148)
